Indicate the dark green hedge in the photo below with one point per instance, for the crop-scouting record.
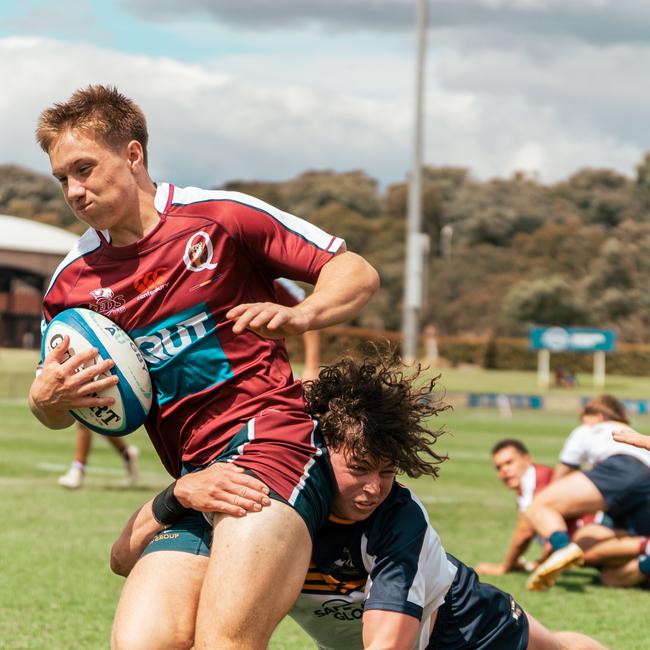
(497, 353)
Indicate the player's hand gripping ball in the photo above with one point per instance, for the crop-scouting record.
(133, 393)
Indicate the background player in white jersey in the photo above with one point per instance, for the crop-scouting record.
(379, 576)
(159, 259)
(618, 482)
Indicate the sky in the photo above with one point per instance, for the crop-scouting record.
(267, 89)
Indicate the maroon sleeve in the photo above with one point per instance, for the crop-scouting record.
(285, 245)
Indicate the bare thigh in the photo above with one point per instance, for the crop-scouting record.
(540, 638)
(257, 567)
(158, 604)
(624, 575)
(571, 496)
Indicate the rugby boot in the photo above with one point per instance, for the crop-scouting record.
(546, 573)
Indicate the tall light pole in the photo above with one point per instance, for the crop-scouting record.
(414, 238)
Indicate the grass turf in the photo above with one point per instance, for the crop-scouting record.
(56, 589)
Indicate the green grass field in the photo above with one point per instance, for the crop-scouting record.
(57, 592)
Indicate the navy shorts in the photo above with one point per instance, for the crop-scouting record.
(478, 616)
(624, 482)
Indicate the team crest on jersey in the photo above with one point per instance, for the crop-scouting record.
(106, 302)
(340, 609)
(199, 252)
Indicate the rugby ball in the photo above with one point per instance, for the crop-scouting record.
(133, 392)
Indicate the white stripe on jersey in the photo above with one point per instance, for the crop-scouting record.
(301, 483)
(435, 573)
(189, 195)
(87, 243)
(250, 428)
(298, 293)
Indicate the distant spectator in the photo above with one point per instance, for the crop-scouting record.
(565, 378)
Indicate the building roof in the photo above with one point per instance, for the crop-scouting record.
(18, 234)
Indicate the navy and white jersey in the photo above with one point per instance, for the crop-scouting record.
(393, 561)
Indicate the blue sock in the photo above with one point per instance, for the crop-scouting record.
(559, 539)
(644, 564)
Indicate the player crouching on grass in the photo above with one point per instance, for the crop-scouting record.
(617, 483)
(379, 576)
(517, 471)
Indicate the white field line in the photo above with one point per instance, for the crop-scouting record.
(103, 471)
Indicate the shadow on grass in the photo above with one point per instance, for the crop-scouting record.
(576, 581)
(148, 488)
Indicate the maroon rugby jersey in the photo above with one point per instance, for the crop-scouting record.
(534, 479)
(210, 251)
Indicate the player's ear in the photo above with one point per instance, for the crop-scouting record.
(135, 154)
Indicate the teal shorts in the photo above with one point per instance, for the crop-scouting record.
(310, 497)
(190, 534)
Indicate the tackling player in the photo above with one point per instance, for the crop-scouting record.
(188, 273)
(379, 576)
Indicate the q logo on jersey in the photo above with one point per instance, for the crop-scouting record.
(199, 252)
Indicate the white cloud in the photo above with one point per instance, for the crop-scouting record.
(206, 126)
(493, 111)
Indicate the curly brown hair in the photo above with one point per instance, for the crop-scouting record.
(372, 407)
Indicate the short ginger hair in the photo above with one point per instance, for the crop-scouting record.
(100, 111)
(373, 407)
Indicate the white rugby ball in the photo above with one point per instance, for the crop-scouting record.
(133, 393)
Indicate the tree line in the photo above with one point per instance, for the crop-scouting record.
(504, 253)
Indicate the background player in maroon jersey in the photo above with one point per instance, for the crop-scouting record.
(516, 469)
(211, 331)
